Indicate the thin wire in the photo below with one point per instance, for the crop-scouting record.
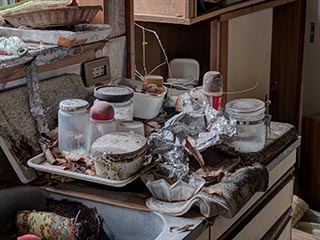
(138, 75)
(160, 44)
(153, 70)
(242, 91)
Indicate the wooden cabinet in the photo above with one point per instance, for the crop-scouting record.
(184, 9)
(260, 217)
(310, 164)
(206, 38)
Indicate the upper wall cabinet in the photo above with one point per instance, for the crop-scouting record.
(188, 12)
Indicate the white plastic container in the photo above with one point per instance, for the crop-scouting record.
(120, 97)
(251, 128)
(131, 126)
(73, 126)
(147, 106)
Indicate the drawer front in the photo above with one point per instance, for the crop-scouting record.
(286, 234)
(265, 219)
(275, 173)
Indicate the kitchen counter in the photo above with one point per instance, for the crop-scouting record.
(273, 206)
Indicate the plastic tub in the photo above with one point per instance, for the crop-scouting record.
(147, 106)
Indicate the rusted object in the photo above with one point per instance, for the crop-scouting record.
(50, 226)
(62, 220)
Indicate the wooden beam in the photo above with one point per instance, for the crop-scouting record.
(224, 42)
(286, 63)
(214, 52)
(130, 40)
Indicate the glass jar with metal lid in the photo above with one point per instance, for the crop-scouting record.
(73, 126)
(251, 128)
(120, 97)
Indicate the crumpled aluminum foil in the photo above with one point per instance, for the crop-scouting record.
(197, 120)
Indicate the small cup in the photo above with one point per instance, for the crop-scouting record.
(132, 126)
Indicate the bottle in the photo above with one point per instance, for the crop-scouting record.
(13, 45)
(73, 126)
(213, 86)
(102, 120)
(120, 97)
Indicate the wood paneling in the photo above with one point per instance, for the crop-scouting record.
(286, 62)
(130, 39)
(310, 161)
(179, 42)
(113, 14)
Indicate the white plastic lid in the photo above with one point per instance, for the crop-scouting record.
(72, 105)
(245, 105)
(119, 143)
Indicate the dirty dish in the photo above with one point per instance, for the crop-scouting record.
(38, 162)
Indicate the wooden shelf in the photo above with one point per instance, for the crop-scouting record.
(87, 53)
(255, 5)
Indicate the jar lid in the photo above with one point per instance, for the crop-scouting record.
(119, 144)
(72, 105)
(245, 105)
(113, 93)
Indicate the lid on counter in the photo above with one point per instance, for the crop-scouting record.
(119, 144)
(72, 105)
(245, 105)
(112, 93)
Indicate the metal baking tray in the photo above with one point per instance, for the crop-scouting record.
(38, 162)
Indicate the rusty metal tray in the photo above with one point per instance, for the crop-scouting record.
(38, 162)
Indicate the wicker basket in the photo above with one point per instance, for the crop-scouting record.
(53, 17)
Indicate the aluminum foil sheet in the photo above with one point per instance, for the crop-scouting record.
(198, 120)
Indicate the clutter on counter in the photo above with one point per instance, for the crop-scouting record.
(172, 156)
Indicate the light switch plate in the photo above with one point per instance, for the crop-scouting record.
(96, 71)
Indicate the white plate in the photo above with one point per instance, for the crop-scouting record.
(38, 162)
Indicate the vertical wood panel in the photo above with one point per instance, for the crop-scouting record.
(310, 161)
(224, 42)
(130, 39)
(214, 45)
(179, 41)
(114, 13)
(286, 62)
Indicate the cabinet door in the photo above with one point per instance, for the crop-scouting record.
(270, 214)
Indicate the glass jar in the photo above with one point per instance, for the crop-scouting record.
(251, 128)
(73, 126)
(120, 97)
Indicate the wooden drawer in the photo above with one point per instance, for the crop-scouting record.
(276, 171)
(270, 214)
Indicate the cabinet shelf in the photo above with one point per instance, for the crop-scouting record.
(186, 13)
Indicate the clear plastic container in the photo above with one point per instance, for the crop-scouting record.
(100, 128)
(73, 126)
(13, 45)
(251, 128)
(120, 97)
(123, 111)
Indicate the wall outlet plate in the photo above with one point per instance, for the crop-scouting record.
(96, 71)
